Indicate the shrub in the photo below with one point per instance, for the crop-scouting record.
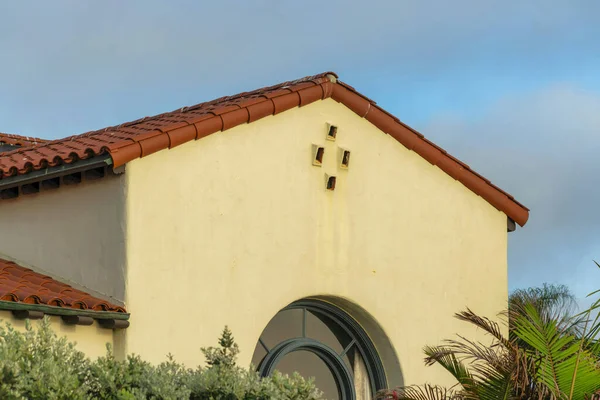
(225, 380)
(38, 365)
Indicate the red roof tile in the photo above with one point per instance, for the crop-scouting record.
(18, 140)
(145, 136)
(22, 285)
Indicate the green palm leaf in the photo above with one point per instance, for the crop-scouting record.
(490, 370)
(564, 365)
(446, 357)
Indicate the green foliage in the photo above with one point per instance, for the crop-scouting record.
(225, 380)
(551, 302)
(37, 365)
(564, 363)
(134, 378)
(226, 354)
(593, 314)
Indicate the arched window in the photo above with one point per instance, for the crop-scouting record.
(319, 340)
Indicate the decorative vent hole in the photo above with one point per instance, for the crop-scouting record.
(330, 182)
(345, 159)
(318, 153)
(331, 132)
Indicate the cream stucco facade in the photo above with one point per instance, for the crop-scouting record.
(231, 228)
(75, 233)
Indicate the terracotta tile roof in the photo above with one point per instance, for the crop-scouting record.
(18, 140)
(22, 285)
(145, 136)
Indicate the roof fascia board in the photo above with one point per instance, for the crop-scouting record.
(360, 105)
(52, 310)
(288, 95)
(53, 172)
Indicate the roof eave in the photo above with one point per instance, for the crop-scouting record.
(326, 87)
(57, 171)
(276, 99)
(106, 319)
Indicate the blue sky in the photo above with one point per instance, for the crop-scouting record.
(510, 87)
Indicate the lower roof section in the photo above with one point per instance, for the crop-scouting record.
(31, 295)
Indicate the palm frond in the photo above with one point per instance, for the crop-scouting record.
(491, 369)
(555, 302)
(489, 326)
(552, 303)
(446, 357)
(563, 364)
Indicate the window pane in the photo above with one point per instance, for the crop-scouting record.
(361, 378)
(324, 330)
(259, 354)
(285, 325)
(309, 365)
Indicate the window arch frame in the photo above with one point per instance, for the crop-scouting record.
(359, 340)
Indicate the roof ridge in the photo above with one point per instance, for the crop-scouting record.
(144, 136)
(90, 134)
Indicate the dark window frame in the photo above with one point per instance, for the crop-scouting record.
(359, 340)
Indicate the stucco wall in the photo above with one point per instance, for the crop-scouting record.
(74, 233)
(229, 229)
(91, 339)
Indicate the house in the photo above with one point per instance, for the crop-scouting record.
(329, 236)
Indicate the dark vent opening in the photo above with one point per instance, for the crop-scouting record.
(50, 184)
(319, 155)
(332, 132)
(72, 179)
(30, 188)
(96, 173)
(331, 183)
(10, 193)
(346, 159)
